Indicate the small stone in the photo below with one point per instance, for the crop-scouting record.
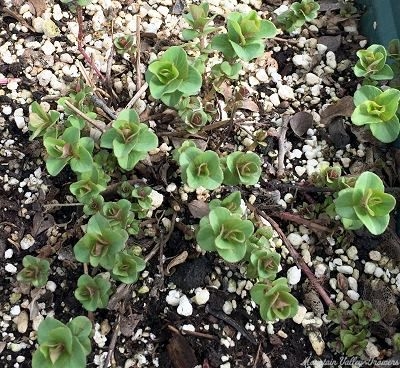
(293, 275)
(227, 307)
(317, 342)
(184, 307)
(331, 59)
(352, 283)
(51, 286)
(156, 199)
(295, 239)
(371, 350)
(27, 241)
(300, 170)
(320, 270)
(312, 79)
(173, 298)
(286, 93)
(299, 317)
(346, 270)
(8, 254)
(369, 268)
(44, 77)
(353, 294)
(274, 98)
(262, 75)
(378, 272)
(15, 310)
(10, 268)
(48, 48)
(304, 61)
(374, 255)
(352, 252)
(202, 296)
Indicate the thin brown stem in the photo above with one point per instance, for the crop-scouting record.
(138, 52)
(88, 59)
(282, 147)
(78, 112)
(302, 221)
(137, 95)
(296, 256)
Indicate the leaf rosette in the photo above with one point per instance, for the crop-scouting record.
(274, 299)
(244, 36)
(365, 204)
(130, 140)
(225, 233)
(378, 109)
(372, 64)
(127, 267)
(241, 168)
(171, 76)
(93, 292)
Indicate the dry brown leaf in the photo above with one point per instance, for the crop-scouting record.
(331, 42)
(301, 122)
(181, 353)
(248, 104)
(129, 323)
(337, 133)
(39, 5)
(179, 259)
(198, 209)
(344, 107)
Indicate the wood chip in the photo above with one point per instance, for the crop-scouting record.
(180, 352)
(179, 259)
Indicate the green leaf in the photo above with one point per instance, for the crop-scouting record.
(369, 180)
(192, 84)
(189, 34)
(222, 43)
(205, 236)
(387, 131)
(366, 93)
(344, 205)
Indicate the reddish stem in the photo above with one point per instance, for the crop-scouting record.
(88, 59)
(296, 256)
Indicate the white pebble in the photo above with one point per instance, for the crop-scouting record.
(184, 307)
(286, 93)
(274, 98)
(48, 48)
(353, 294)
(227, 307)
(302, 60)
(300, 170)
(312, 79)
(378, 272)
(374, 255)
(15, 310)
(352, 253)
(293, 275)
(295, 239)
(8, 254)
(10, 268)
(352, 283)
(320, 270)
(331, 59)
(301, 313)
(369, 268)
(346, 270)
(202, 296)
(173, 298)
(51, 286)
(44, 77)
(27, 241)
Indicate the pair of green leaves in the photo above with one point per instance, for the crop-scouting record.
(172, 76)
(207, 170)
(372, 64)
(70, 148)
(129, 139)
(36, 271)
(365, 204)
(225, 233)
(63, 346)
(244, 37)
(377, 109)
(298, 14)
(274, 299)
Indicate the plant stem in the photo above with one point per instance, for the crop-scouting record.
(84, 116)
(296, 256)
(137, 95)
(88, 59)
(302, 221)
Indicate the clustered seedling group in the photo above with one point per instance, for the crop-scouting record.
(176, 78)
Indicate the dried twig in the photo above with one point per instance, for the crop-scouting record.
(113, 341)
(88, 59)
(138, 73)
(312, 225)
(282, 147)
(295, 255)
(95, 123)
(137, 96)
(193, 333)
